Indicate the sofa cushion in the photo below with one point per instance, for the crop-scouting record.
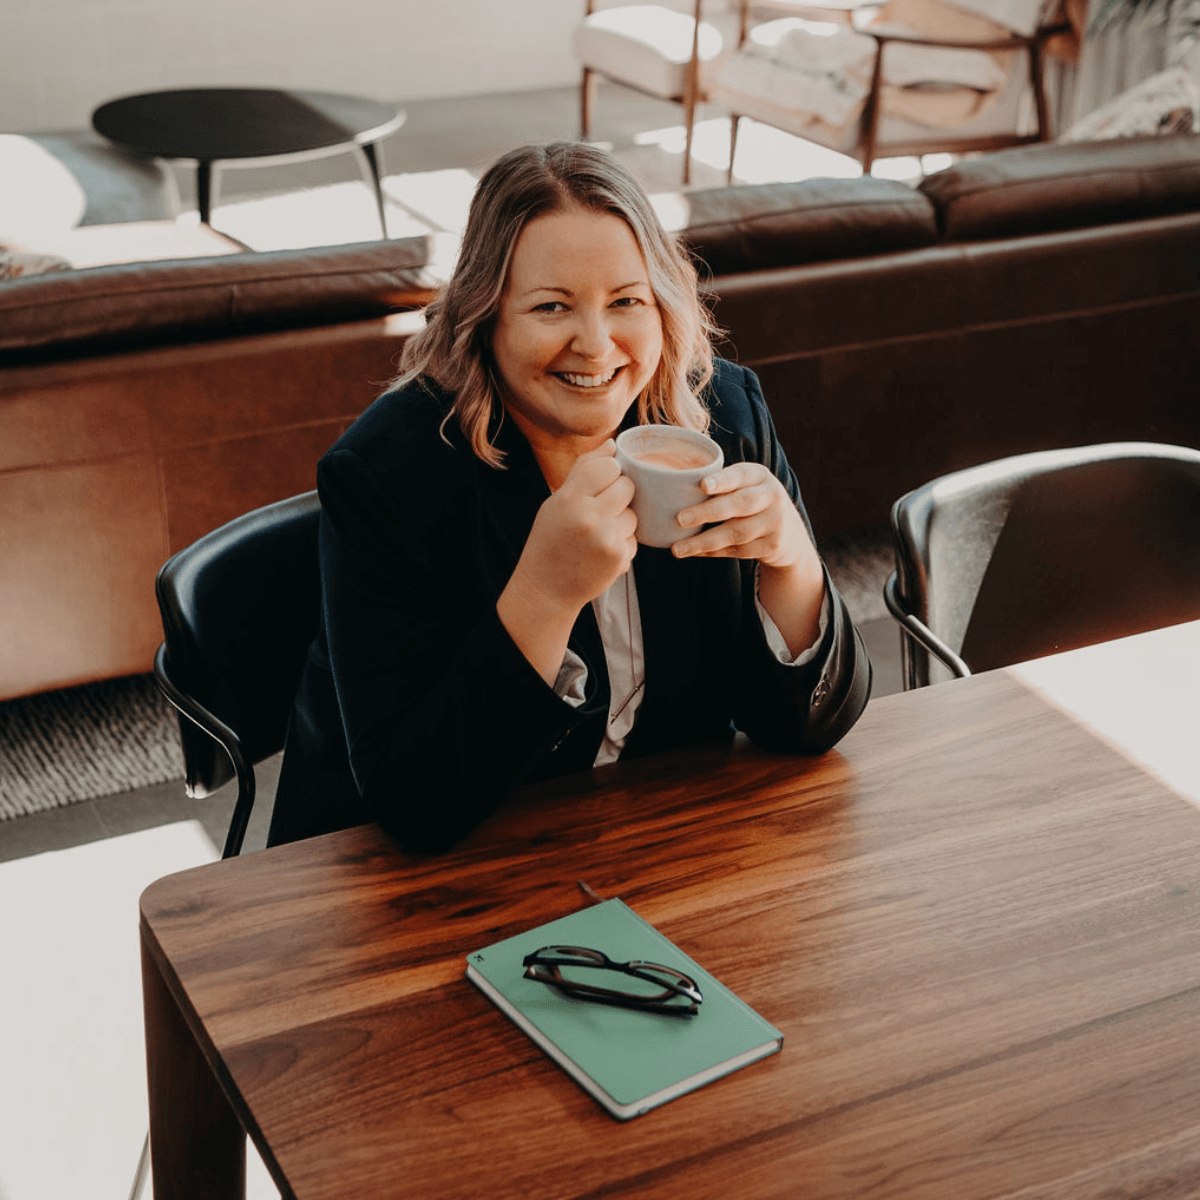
(151, 302)
(736, 229)
(1034, 189)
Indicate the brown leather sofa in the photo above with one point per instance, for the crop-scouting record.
(1039, 297)
(143, 405)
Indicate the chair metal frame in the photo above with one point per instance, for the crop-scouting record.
(920, 633)
(226, 738)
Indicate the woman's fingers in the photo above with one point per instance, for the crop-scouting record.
(740, 490)
(748, 514)
(730, 539)
(734, 476)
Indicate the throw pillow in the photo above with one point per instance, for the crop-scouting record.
(16, 261)
(1166, 103)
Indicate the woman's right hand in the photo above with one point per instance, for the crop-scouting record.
(582, 539)
(583, 536)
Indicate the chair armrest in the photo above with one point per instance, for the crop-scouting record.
(225, 737)
(802, 8)
(920, 632)
(1015, 42)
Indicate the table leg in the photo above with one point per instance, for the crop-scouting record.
(197, 1146)
(372, 155)
(206, 189)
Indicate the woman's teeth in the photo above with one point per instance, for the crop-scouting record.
(587, 381)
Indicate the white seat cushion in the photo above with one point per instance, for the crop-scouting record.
(650, 46)
(831, 94)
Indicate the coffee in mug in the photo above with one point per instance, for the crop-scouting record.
(666, 464)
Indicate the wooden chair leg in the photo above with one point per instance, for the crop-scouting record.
(734, 121)
(587, 101)
(1037, 80)
(691, 91)
(870, 120)
(689, 120)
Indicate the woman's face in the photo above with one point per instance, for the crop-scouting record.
(578, 335)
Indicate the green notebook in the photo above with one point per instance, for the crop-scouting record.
(629, 1061)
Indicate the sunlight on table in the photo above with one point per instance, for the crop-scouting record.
(1141, 694)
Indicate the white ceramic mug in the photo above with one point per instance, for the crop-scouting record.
(666, 465)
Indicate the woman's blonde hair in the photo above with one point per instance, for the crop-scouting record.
(454, 348)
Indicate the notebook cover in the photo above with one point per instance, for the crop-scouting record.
(629, 1061)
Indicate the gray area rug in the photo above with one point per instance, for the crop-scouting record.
(859, 565)
(59, 748)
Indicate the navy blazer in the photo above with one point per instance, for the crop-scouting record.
(414, 673)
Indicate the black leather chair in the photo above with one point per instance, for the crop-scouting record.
(1043, 552)
(239, 610)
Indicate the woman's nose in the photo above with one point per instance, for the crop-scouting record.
(592, 335)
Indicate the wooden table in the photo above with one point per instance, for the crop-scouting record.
(976, 922)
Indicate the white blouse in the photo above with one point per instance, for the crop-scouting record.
(620, 622)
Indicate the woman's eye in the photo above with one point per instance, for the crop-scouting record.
(550, 306)
(627, 302)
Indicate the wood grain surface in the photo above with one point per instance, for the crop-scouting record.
(977, 926)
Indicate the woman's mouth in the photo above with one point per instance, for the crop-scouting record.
(588, 381)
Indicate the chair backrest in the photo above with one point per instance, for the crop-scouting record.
(239, 609)
(1044, 552)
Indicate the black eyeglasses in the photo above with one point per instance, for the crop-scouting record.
(676, 994)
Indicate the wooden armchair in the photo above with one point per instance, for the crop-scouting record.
(753, 83)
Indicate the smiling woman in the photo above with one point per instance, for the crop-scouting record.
(489, 617)
(578, 335)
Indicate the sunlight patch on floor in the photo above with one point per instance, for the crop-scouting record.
(334, 214)
(73, 1110)
(441, 198)
(419, 202)
(768, 155)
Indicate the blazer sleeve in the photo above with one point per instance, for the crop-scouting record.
(797, 709)
(442, 713)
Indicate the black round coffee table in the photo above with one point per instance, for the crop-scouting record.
(248, 127)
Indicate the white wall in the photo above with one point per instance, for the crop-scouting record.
(62, 58)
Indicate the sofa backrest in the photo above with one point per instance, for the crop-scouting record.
(1044, 188)
(152, 303)
(1029, 189)
(735, 229)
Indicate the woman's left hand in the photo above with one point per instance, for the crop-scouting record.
(751, 515)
